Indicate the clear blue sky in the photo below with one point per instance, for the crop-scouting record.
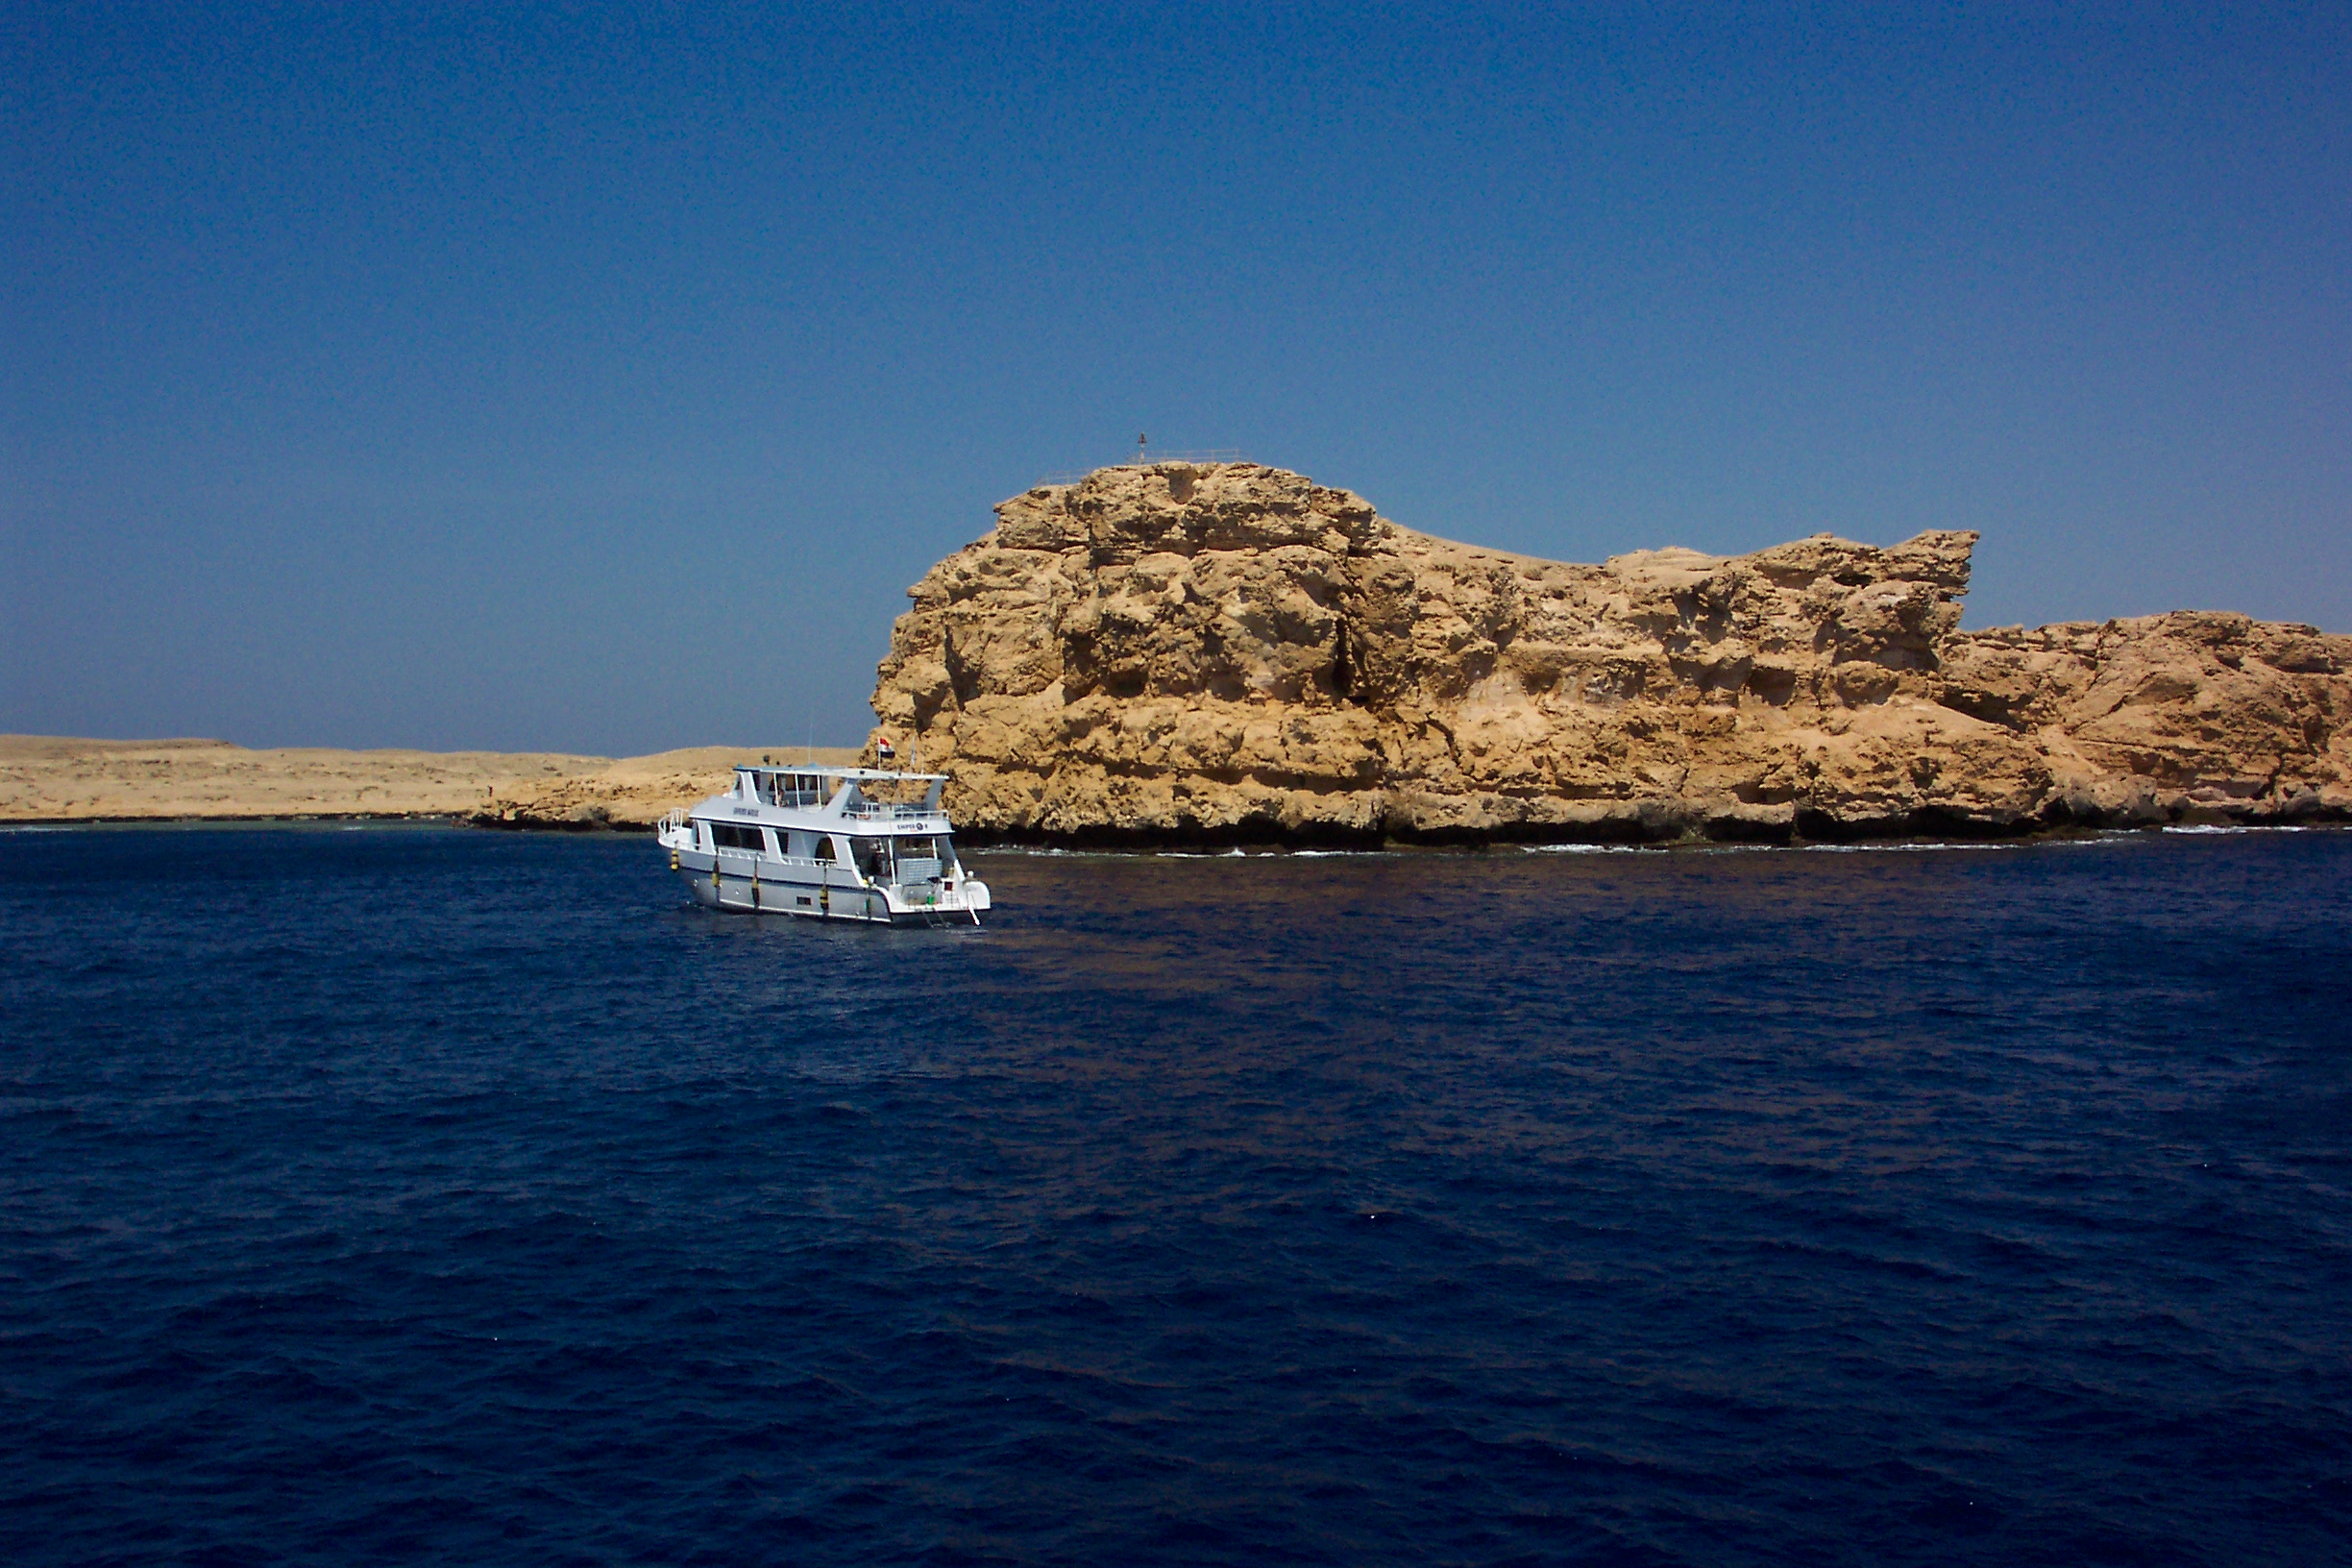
(598, 380)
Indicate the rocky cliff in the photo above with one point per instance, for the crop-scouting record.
(1176, 652)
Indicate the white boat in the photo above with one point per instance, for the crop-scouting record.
(827, 843)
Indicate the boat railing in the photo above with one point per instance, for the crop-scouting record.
(883, 811)
(804, 860)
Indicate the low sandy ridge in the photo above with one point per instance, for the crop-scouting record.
(60, 778)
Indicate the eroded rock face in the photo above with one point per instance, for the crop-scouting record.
(1232, 651)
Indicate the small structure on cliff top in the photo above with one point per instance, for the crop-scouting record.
(1172, 651)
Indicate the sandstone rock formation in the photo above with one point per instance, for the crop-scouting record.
(1176, 652)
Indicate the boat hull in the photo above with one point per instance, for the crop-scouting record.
(723, 889)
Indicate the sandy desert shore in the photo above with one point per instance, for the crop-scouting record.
(60, 778)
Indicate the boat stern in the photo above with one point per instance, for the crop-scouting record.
(948, 900)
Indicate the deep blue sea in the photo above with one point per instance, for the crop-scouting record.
(408, 1194)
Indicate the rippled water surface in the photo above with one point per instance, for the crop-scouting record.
(403, 1193)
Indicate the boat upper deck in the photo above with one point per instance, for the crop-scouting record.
(847, 799)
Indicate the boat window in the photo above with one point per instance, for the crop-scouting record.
(739, 836)
(873, 856)
(923, 858)
(792, 788)
(927, 848)
(822, 849)
(782, 790)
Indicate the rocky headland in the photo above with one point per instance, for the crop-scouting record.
(1230, 653)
